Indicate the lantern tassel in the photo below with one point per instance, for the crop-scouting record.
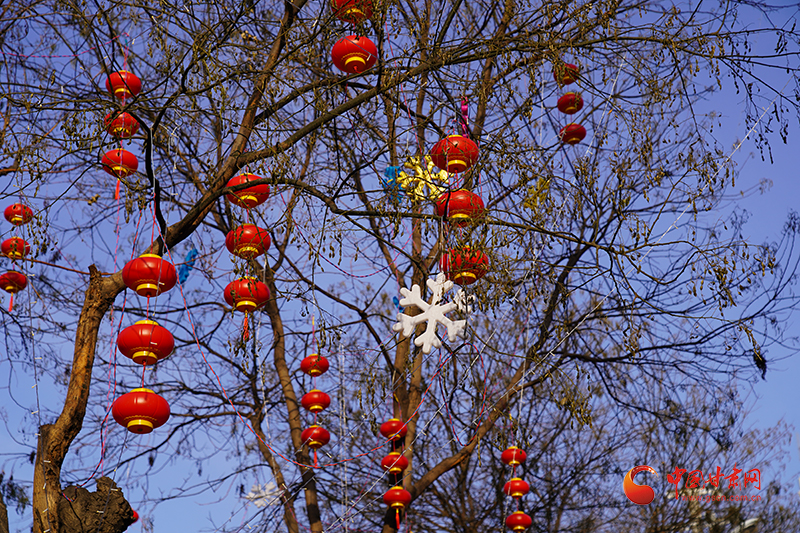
(397, 517)
(116, 191)
(245, 328)
(315, 459)
(11, 303)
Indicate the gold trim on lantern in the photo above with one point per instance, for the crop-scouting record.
(148, 356)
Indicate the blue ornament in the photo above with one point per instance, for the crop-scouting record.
(187, 266)
(390, 184)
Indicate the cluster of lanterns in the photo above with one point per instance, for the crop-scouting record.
(353, 54)
(15, 248)
(145, 343)
(516, 488)
(463, 265)
(569, 103)
(315, 401)
(120, 125)
(247, 241)
(395, 463)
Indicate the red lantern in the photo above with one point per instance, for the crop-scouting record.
(454, 153)
(123, 84)
(394, 463)
(122, 126)
(120, 163)
(516, 488)
(15, 248)
(464, 266)
(352, 11)
(397, 498)
(246, 294)
(13, 281)
(460, 207)
(247, 241)
(314, 365)
(565, 73)
(315, 436)
(394, 429)
(140, 411)
(572, 133)
(315, 401)
(570, 103)
(250, 196)
(518, 521)
(18, 214)
(149, 275)
(353, 54)
(513, 456)
(135, 516)
(145, 342)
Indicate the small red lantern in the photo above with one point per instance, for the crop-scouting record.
(13, 281)
(394, 463)
(516, 488)
(315, 401)
(397, 498)
(565, 73)
(247, 241)
(18, 214)
(572, 133)
(145, 342)
(250, 196)
(135, 516)
(464, 266)
(353, 54)
(149, 275)
(570, 103)
(246, 294)
(140, 411)
(352, 11)
(518, 521)
(315, 436)
(460, 207)
(122, 126)
(314, 365)
(120, 163)
(123, 84)
(15, 248)
(394, 429)
(454, 153)
(513, 456)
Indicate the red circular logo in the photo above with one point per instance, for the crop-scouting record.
(638, 494)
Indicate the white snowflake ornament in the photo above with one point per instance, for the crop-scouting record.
(433, 313)
(264, 495)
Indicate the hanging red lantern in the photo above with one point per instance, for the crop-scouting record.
(135, 516)
(246, 294)
(121, 126)
(250, 196)
(247, 241)
(140, 411)
(455, 153)
(572, 133)
(352, 11)
(394, 463)
(513, 456)
(565, 73)
(518, 521)
(12, 282)
(315, 436)
(353, 54)
(460, 207)
(15, 248)
(119, 163)
(464, 266)
(314, 365)
(397, 498)
(516, 488)
(18, 214)
(123, 84)
(149, 275)
(315, 401)
(570, 103)
(145, 342)
(394, 429)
